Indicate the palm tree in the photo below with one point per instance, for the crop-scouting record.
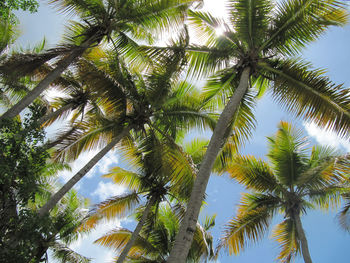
(154, 100)
(83, 96)
(293, 182)
(155, 240)
(255, 51)
(111, 20)
(162, 173)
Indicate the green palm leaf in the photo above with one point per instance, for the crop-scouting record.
(285, 234)
(299, 22)
(118, 206)
(311, 95)
(252, 173)
(248, 226)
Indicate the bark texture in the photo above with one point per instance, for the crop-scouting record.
(137, 230)
(83, 171)
(44, 84)
(188, 226)
(301, 234)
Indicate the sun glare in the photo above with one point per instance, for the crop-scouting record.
(219, 31)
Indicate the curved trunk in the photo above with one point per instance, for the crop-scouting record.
(44, 84)
(188, 225)
(301, 234)
(55, 114)
(137, 230)
(83, 171)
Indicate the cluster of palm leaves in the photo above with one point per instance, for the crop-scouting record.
(117, 93)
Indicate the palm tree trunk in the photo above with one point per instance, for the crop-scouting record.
(303, 240)
(83, 171)
(44, 84)
(55, 113)
(184, 238)
(137, 230)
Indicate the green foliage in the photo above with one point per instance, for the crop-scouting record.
(24, 176)
(156, 238)
(296, 179)
(22, 161)
(22, 157)
(7, 6)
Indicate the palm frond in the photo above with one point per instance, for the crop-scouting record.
(327, 197)
(326, 167)
(79, 7)
(182, 172)
(123, 177)
(297, 23)
(344, 214)
(116, 239)
(311, 95)
(285, 233)
(253, 174)
(250, 20)
(63, 253)
(160, 15)
(246, 227)
(118, 206)
(287, 153)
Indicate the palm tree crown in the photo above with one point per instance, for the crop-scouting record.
(113, 21)
(256, 50)
(292, 182)
(161, 174)
(155, 241)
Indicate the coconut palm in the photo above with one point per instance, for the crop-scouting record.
(255, 51)
(154, 242)
(82, 95)
(100, 20)
(161, 173)
(154, 100)
(294, 181)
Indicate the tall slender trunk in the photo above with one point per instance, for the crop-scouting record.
(137, 230)
(55, 113)
(301, 234)
(44, 84)
(188, 225)
(83, 171)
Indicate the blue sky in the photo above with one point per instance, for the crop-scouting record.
(326, 241)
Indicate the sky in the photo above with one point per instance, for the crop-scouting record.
(327, 242)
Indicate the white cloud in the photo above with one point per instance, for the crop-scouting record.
(325, 137)
(106, 190)
(110, 159)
